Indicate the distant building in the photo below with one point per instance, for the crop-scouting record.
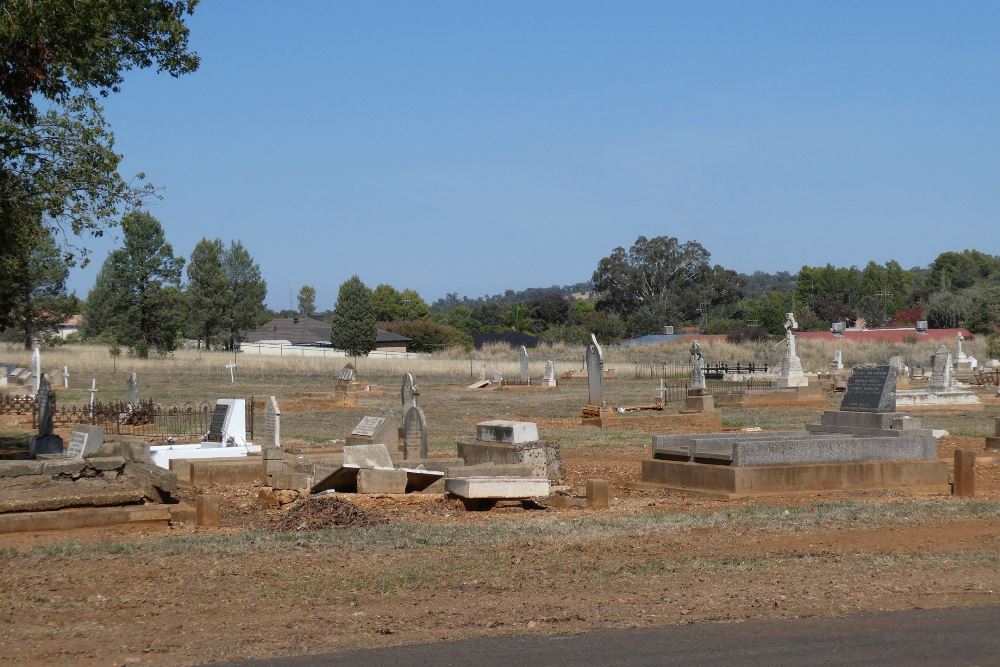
(70, 326)
(304, 330)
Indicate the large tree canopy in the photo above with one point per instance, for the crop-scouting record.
(49, 48)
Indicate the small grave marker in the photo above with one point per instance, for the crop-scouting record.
(84, 440)
(232, 372)
(415, 434)
(272, 423)
(133, 389)
(368, 426)
(595, 375)
(36, 366)
(525, 373)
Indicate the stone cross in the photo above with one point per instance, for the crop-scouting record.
(65, 377)
(133, 388)
(523, 357)
(93, 390)
(272, 423)
(791, 366)
(36, 368)
(408, 393)
(595, 377)
(661, 392)
(414, 434)
(232, 372)
(958, 339)
(697, 367)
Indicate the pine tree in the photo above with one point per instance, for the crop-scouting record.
(354, 319)
(246, 292)
(307, 300)
(208, 295)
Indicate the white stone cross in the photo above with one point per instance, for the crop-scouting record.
(232, 372)
(93, 390)
(36, 366)
(65, 377)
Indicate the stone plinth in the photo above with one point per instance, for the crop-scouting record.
(509, 488)
(544, 457)
(510, 432)
(698, 403)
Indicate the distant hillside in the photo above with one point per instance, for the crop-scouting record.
(452, 300)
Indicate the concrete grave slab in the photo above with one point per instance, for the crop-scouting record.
(511, 488)
(510, 432)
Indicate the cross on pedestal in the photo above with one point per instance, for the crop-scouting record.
(661, 391)
(65, 377)
(93, 390)
(232, 369)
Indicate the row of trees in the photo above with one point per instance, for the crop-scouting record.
(139, 298)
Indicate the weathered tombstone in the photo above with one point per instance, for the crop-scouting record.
(45, 442)
(65, 377)
(870, 389)
(697, 367)
(346, 374)
(368, 426)
(791, 374)
(838, 361)
(497, 378)
(272, 423)
(595, 377)
(133, 388)
(36, 369)
(376, 430)
(84, 440)
(415, 434)
(960, 355)
(550, 374)
(523, 358)
(408, 393)
(941, 377)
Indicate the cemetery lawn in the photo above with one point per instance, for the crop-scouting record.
(434, 572)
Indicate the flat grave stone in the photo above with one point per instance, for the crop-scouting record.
(368, 426)
(84, 440)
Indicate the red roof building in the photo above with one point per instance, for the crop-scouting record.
(887, 335)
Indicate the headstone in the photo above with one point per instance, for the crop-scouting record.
(65, 377)
(36, 368)
(595, 377)
(84, 440)
(133, 388)
(550, 374)
(523, 358)
(415, 434)
(941, 376)
(838, 361)
(408, 393)
(497, 378)
(960, 355)
(697, 367)
(93, 390)
(346, 374)
(372, 429)
(218, 423)
(272, 423)
(368, 426)
(791, 374)
(870, 389)
(45, 442)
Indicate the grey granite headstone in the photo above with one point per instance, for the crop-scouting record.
(941, 373)
(523, 358)
(218, 422)
(133, 389)
(697, 367)
(595, 378)
(871, 389)
(415, 434)
(45, 442)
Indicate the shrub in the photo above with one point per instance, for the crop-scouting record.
(429, 336)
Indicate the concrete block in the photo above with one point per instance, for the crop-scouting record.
(290, 480)
(367, 456)
(372, 480)
(273, 466)
(702, 403)
(20, 468)
(497, 487)
(598, 494)
(90, 517)
(204, 473)
(539, 453)
(493, 470)
(965, 473)
(65, 467)
(182, 513)
(106, 462)
(207, 511)
(272, 453)
(510, 432)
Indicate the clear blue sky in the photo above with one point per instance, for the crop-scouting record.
(479, 146)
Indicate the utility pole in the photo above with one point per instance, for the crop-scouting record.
(885, 305)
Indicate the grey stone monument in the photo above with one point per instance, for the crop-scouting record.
(550, 374)
(272, 423)
(408, 394)
(697, 367)
(941, 371)
(36, 369)
(497, 378)
(45, 442)
(595, 375)
(523, 358)
(414, 434)
(791, 374)
(133, 388)
(84, 440)
(870, 389)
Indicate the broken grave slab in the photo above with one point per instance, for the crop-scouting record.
(512, 488)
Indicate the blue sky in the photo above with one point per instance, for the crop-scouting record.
(478, 146)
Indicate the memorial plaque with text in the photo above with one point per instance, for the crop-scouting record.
(218, 422)
(368, 426)
(871, 389)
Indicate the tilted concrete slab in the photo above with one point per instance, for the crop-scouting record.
(510, 488)
(89, 517)
(510, 432)
(367, 456)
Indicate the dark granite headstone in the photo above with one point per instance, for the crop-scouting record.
(871, 389)
(45, 442)
(218, 422)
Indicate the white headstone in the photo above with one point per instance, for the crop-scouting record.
(65, 377)
(838, 361)
(550, 374)
(791, 374)
(36, 369)
(133, 389)
(408, 393)
(84, 440)
(523, 358)
(960, 356)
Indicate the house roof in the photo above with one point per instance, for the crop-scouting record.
(304, 330)
(73, 321)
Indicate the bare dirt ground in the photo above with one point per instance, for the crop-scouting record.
(434, 572)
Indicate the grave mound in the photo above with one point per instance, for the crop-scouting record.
(327, 511)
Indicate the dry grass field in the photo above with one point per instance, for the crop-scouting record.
(434, 572)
